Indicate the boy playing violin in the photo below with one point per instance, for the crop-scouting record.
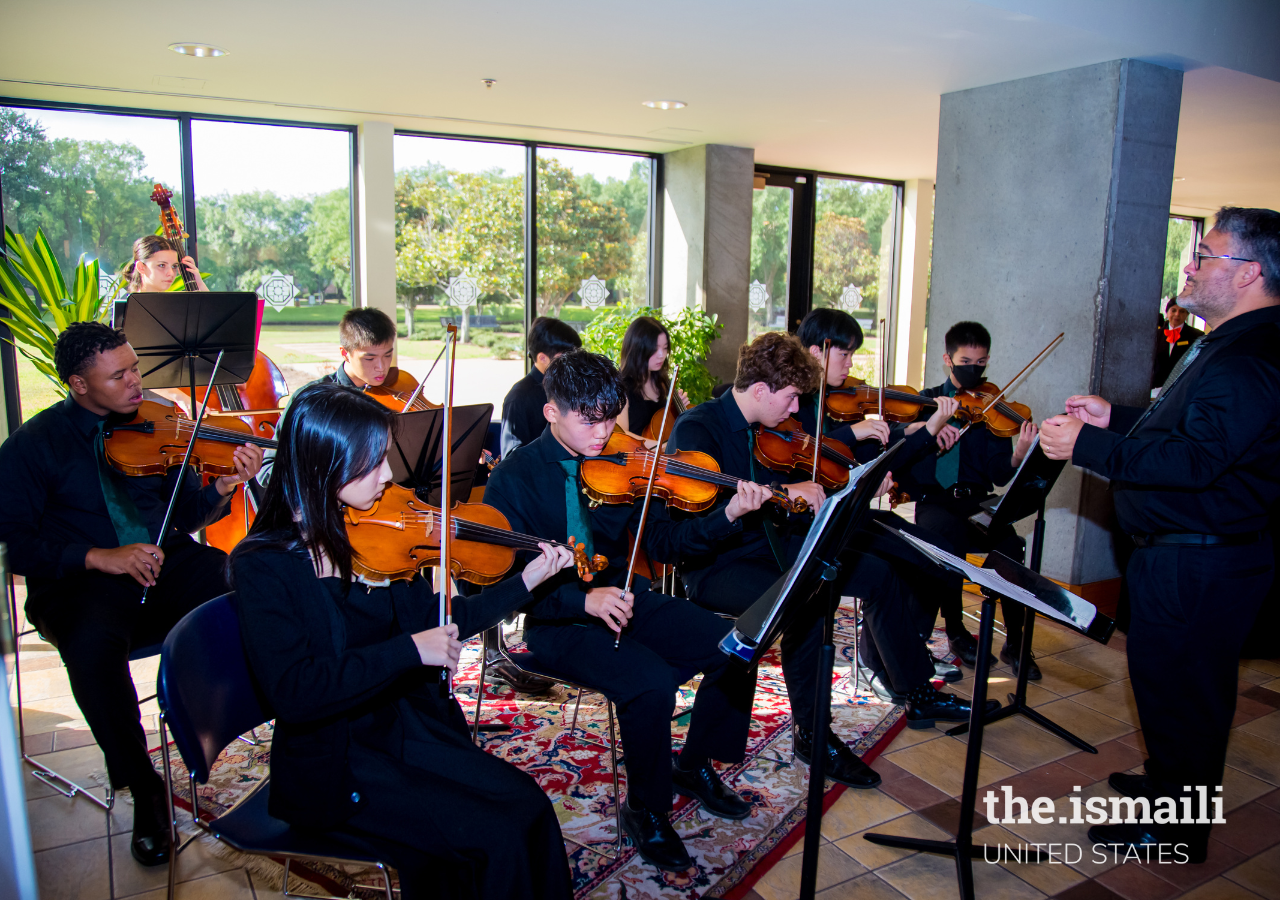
(367, 342)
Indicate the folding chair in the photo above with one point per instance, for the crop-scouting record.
(207, 699)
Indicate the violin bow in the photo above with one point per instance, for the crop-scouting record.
(822, 405)
(186, 460)
(423, 383)
(648, 493)
(884, 372)
(446, 477)
(1053, 343)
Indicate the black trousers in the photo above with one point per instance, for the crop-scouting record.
(667, 642)
(1191, 605)
(951, 521)
(95, 620)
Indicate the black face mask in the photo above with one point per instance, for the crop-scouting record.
(968, 376)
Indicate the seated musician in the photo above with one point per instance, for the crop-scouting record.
(367, 743)
(84, 537)
(773, 371)
(949, 488)
(646, 346)
(664, 641)
(367, 342)
(155, 265)
(522, 419)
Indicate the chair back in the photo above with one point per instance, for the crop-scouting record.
(205, 689)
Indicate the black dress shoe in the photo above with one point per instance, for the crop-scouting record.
(500, 671)
(1174, 840)
(966, 649)
(948, 672)
(1008, 657)
(705, 785)
(926, 706)
(654, 839)
(150, 843)
(1129, 784)
(842, 763)
(880, 686)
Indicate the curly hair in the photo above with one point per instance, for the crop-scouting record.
(587, 383)
(778, 360)
(79, 343)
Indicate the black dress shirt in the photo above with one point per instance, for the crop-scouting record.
(1207, 460)
(528, 487)
(640, 410)
(986, 461)
(52, 511)
(522, 418)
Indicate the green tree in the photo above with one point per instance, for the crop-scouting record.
(770, 249)
(1180, 231)
(871, 203)
(24, 154)
(842, 255)
(245, 237)
(329, 238)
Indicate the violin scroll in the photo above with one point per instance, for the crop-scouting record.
(587, 566)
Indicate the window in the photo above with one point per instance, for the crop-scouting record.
(273, 215)
(85, 180)
(770, 286)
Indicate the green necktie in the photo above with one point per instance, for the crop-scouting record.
(577, 518)
(120, 506)
(770, 528)
(947, 469)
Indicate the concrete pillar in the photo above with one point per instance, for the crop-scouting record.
(376, 219)
(913, 283)
(706, 244)
(1052, 216)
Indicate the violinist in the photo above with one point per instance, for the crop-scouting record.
(522, 419)
(646, 348)
(773, 372)
(367, 342)
(85, 537)
(634, 647)
(949, 488)
(366, 744)
(155, 265)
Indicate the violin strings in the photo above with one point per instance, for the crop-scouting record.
(464, 527)
(675, 467)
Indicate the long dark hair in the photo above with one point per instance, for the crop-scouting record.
(330, 436)
(638, 346)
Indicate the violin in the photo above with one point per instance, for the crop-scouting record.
(855, 399)
(156, 440)
(983, 406)
(687, 479)
(400, 394)
(400, 534)
(788, 447)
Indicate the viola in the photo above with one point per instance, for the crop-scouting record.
(788, 447)
(686, 479)
(156, 440)
(395, 393)
(855, 400)
(400, 534)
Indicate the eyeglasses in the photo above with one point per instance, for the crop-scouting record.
(1197, 257)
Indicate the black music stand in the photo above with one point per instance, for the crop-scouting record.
(812, 576)
(415, 453)
(178, 336)
(1026, 497)
(1000, 577)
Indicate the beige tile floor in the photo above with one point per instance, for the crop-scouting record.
(83, 854)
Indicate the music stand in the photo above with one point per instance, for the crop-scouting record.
(178, 336)
(812, 575)
(1026, 496)
(415, 452)
(1000, 577)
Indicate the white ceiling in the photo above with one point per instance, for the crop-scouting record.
(848, 86)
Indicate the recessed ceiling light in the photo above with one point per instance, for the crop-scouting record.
(187, 48)
(665, 104)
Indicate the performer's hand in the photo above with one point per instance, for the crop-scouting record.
(248, 462)
(1058, 436)
(612, 605)
(947, 437)
(684, 398)
(1090, 409)
(749, 497)
(551, 560)
(141, 561)
(811, 491)
(1026, 436)
(885, 486)
(439, 646)
(947, 407)
(190, 265)
(871, 428)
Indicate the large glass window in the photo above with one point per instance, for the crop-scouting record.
(459, 226)
(84, 180)
(593, 229)
(273, 215)
(853, 258)
(771, 225)
(1184, 235)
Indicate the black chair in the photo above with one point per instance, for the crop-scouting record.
(207, 699)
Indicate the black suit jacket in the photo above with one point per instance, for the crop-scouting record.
(1167, 357)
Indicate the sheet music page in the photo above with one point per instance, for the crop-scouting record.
(1026, 459)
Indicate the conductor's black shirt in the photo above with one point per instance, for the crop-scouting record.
(1207, 460)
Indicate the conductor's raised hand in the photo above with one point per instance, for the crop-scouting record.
(552, 559)
(1058, 436)
(439, 646)
(748, 498)
(1089, 409)
(611, 605)
(141, 562)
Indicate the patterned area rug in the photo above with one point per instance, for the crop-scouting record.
(572, 766)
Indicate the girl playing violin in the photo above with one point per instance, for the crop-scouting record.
(646, 348)
(155, 266)
(366, 744)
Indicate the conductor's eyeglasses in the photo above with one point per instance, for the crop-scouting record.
(1197, 257)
